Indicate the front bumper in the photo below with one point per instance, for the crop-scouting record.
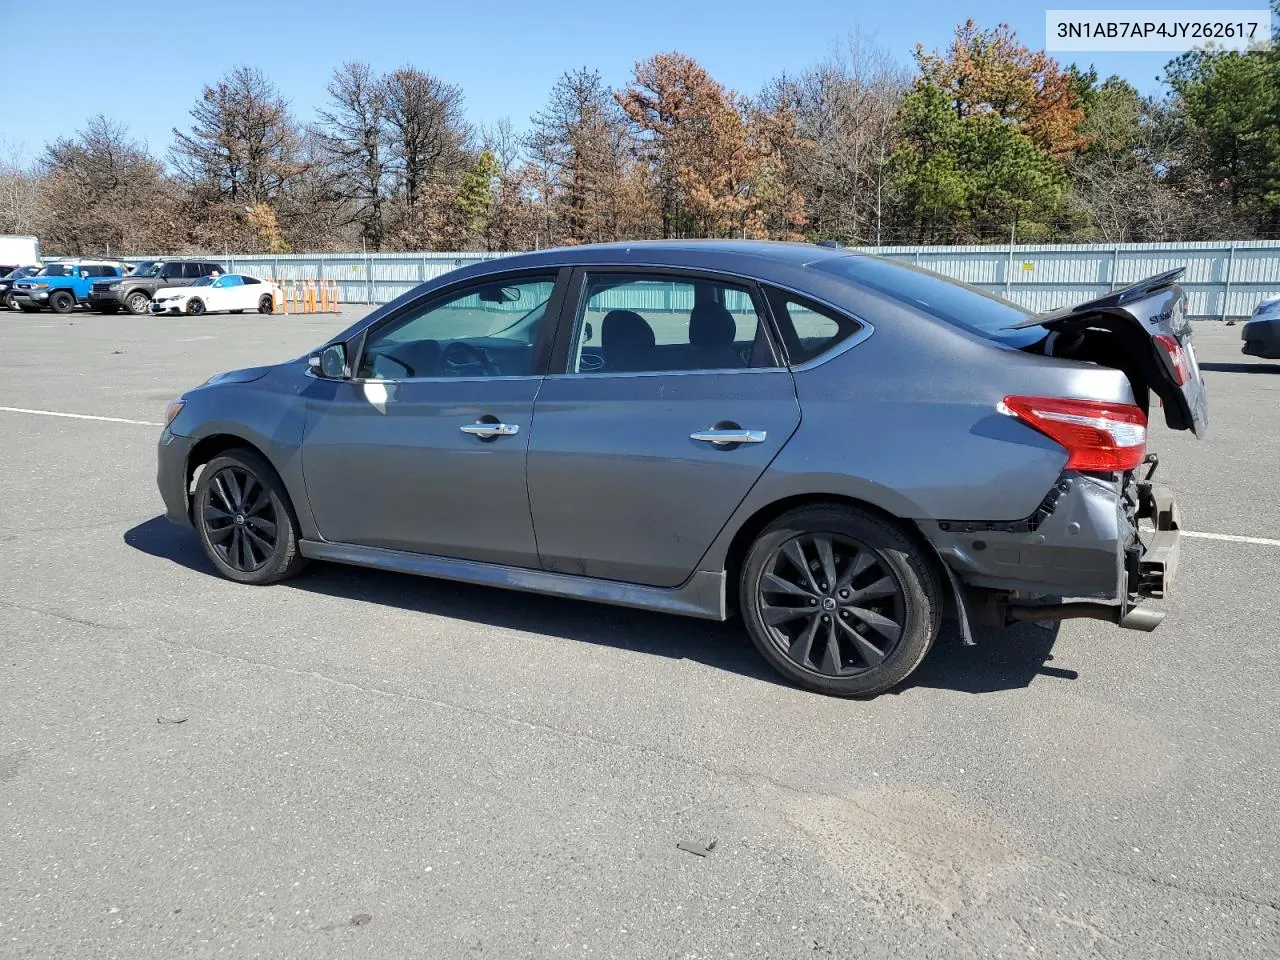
(104, 298)
(168, 306)
(25, 295)
(172, 454)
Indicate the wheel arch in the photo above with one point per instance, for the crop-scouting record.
(214, 445)
(750, 528)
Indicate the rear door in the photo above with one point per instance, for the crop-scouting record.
(669, 403)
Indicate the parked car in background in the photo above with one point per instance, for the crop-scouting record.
(7, 281)
(833, 446)
(134, 291)
(1261, 332)
(16, 251)
(62, 285)
(229, 293)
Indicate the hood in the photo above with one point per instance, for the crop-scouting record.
(173, 291)
(245, 375)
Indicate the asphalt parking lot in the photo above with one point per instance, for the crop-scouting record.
(360, 764)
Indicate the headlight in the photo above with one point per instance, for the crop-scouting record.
(113, 286)
(173, 410)
(39, 286)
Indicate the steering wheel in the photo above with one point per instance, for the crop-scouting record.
(460, 358)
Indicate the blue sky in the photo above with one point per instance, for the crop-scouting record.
(505, 54)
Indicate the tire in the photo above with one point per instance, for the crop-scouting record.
(884, 608)
(136, 302)
(109, 311)
(28, 308)
(195, 307)
(61, 302)
(239, 500)
(266, 304)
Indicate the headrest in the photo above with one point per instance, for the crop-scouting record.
(711, 325)
(624, 329)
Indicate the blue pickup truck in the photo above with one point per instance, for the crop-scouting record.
(62, 285)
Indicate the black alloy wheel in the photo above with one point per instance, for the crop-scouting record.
(240, 519)
(840, 599)
(831, 604)
(195, 306)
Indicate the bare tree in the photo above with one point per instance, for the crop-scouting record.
(243, 146)
(353, 142)
(844, 112)
(19, 191)
(427, 131)
(103, 193)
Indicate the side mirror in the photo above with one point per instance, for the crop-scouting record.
(84, 274)
(330, 363)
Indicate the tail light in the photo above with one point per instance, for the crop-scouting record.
(1100, 437)
(1177, 359)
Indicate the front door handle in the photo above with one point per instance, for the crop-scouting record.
(487, 431)
(724, 438)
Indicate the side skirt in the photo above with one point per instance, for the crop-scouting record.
(702, 595)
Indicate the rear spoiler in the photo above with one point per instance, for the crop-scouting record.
(1117, 298)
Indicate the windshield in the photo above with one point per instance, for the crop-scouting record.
(204, 282)
(948, 300)
(148, 268)
(57, 270)
(20, 273)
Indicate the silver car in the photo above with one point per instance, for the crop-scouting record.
(838, 448)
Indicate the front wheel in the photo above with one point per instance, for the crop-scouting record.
(245, 520)
(195, 306)
(136, 303)
(839, 600)
(62, 302)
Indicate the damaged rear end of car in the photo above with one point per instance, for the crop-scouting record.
(1105, 537)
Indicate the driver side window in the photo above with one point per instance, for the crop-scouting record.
(483, 331)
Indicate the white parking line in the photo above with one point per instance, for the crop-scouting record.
(80, 416)
(1231, 538)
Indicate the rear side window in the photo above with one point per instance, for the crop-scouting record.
(944, 299)
(808, 330)
(249, 280)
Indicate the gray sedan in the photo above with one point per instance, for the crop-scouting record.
(838, 448)
(1261, 332)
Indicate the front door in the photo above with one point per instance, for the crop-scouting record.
(671, 405)
(424, 448)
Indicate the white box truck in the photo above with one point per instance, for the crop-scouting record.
(18, 252)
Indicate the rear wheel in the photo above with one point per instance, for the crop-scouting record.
(61, 302)
(195, 306)
(839, 600)
(245, 520)
(136, 303)
(266, 304)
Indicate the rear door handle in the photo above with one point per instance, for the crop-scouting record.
(487, 431)
(724, 438)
